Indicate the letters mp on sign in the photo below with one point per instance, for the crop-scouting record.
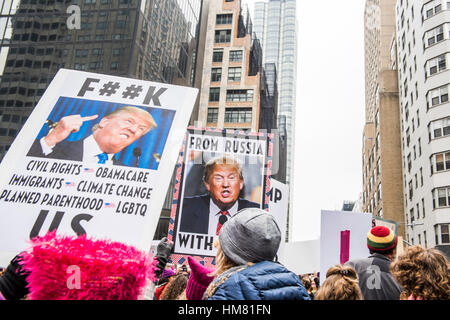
(95, 157)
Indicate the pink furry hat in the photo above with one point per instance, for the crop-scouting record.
(81, 268)
(198, 280)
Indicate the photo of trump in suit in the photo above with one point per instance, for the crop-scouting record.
(207, 213)
(114, 132)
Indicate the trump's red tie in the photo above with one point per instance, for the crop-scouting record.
(222, 219)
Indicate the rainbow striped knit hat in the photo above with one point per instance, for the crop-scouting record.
(381, 239)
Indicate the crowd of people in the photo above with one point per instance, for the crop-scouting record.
(246, 269)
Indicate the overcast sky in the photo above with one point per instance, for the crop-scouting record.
(330, 109)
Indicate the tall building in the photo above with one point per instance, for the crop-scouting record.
(143, 39)
(231, 77)
(382, 167)
(423, 45)
(156, 40)
(275, 25)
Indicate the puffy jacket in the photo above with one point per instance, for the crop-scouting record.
(262, 281)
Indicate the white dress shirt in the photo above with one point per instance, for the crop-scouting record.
(214, 214)
(90, 150)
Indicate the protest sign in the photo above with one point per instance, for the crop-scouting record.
(95, 157)
(301, 257)
(197, 203)
(278, 205)
(391, 224)
(343, 237)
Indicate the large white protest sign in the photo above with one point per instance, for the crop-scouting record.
(343, 237)
(52, 178)
(278, 205)
(301, 257)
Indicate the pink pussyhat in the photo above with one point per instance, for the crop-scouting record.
(198, 280)
(81, 268)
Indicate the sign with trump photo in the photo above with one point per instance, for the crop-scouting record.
(219, 173)
(95, 157)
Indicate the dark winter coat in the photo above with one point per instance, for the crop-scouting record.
(262, 281)
(375, 280)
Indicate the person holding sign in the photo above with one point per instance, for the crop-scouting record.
(245, 268)
(111, 135)
(207, 213)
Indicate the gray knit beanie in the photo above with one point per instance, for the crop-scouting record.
(252, 235)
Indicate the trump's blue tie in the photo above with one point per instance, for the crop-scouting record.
(102, 157)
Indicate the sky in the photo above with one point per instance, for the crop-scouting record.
(329, 111)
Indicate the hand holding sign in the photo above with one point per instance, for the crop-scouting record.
(65, 127)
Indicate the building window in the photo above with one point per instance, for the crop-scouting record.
(234, 74)
(441, 197)
(442, 233)
(436, 65)
(224, 18)
(95, 65)
(81, 53)
(217, 56)
(421, 177)
(431, 8)
(79, 66)
(239, 95)
(437, 96)
(216, 74)
(439, 128)
(97, 52)
(222, 36)
(238, 115)
(440, 162)
(423, 208)
(102, 25)
(409, 162)
(114, 65)
(121, 24)
(235, 55)
(213, 114)
(435, 35)
(214, 94)
(410, 187)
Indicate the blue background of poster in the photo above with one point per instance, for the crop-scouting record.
(151, 143)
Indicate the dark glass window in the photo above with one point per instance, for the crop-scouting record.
(238, 115)
(216, 74)
(213, 114)
(214, 94)
(217, 56)
(224, 19)
(236, 55)
(222, 36)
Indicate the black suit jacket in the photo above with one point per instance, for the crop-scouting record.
(195, 213)
(65, 150)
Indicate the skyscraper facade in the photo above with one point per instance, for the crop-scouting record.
(143, 39)
(381, 154)
(423, 45)
(275, 25)
(231, 77)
